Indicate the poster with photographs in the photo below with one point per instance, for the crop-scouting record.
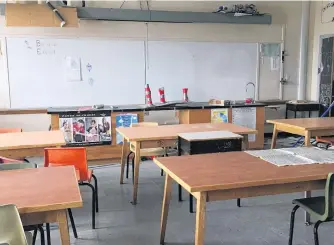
(86, 128)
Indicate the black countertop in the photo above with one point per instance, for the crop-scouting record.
(156, 107)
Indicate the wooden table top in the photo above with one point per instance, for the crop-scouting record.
(36, 139)
(316, 123)
(172, 131)
(40, 189)
(220, 171)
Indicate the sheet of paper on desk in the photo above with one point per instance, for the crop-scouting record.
(315, 154)
(245, 117)
(280, 158)
(266, 153)
(287, 159)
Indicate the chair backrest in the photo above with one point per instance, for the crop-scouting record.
(11, 228)
(329, 196)
(10, 130)
(13, 166)
(70, 156)
(145, 124)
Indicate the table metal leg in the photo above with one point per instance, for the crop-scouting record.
(200, 218)
(295, 114)
(165, 207)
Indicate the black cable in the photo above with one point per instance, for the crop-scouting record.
(63, 22)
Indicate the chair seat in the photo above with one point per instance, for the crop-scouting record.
(326, 139)
(315, 206)
(151, 152)
(89, 173)
(77, 173)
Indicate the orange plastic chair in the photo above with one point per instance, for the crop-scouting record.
(76, 157)
(327, 140)
(10, 130)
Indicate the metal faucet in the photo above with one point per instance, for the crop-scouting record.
(250, 83)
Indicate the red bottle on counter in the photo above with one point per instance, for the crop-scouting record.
(185, 94)
(162, 95)
(148, 95)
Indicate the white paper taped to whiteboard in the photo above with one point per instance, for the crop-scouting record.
(73, 69)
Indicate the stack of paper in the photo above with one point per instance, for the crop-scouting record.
(313, 153)
(294, 156)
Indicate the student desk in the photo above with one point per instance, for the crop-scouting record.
(40, 197)
(166, 136)
(20, 145)
(307, 127)
(223, 176)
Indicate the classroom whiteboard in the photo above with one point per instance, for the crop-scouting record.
(112, 72)
(210, 70)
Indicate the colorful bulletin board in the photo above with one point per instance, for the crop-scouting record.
(219, 115)
(86, 128)
(124, 120)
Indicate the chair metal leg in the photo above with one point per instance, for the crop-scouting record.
(93, 202)
(41, 232)
(238, 203)
(72, 223)
(292, 223)
(34, 236)
(96, 193)
(127, 164)
(191, 203)
(180, 193)
(315, 232)
(48, 234)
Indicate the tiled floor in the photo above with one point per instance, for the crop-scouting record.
(260, 221)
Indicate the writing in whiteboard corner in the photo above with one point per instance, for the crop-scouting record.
(27, 44)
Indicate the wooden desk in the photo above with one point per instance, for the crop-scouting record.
(20, 145)
(308, 127)
(40, 197)
(221, 178)
(166, 136)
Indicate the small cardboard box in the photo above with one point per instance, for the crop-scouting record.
(38, 15)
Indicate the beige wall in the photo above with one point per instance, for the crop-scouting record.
(286, 14)
(320, 24)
